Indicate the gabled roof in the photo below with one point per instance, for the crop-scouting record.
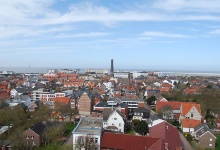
(127, 142)
(166, 132)
(174, 105)
(106, 113)
(38, 128)
(186, 107)
(192, 123)
(201, 129)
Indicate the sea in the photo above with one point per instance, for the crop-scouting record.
(82, 70)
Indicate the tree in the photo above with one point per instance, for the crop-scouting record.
(209, 86)
(87, 142)
(150, 100)
(141, 128)
(51, 134)
(165, 112)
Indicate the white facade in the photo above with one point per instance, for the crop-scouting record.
(88, 127)
(13, 93)
(192, 114)
(188, 130)
(52, 71)
(36, 95)
(137, 74)
(121, 74)
(97, 71)
(115, 119)
(108, 85)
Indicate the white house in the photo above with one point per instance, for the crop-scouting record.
(88, 127)
(188, 125)
(13, 93)
(113, 120)
(190, 111)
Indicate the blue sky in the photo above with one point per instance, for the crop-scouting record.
(143, 34)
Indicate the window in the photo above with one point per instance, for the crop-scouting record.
(210, 144)
(191, 114)
(27, 137)
(115, 118)
(210, 139)
(119, 124)
(32, 137)
(96, 140)
(34, 143)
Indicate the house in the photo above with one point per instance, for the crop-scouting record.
(19, 99)
(62, 101)
(168, 134)
(5, 145)
(33, 135)
(190, 111)
(103, 105)
(132, 103)
(171, 106)
(119, 141)
(113, 120)
(33, 106)
(85, 104)
(188, 125)
(204, 137)
(174, 106)
(141, 114)
(88, 127)
(190, 90)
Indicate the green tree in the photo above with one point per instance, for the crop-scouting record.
(141, 128)
(150, 100)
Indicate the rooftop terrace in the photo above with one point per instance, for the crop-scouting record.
(89, 125)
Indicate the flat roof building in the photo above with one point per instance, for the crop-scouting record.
(88, 128)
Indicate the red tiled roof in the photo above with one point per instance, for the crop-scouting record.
(186, 123)
(187, 106)
(65, 100)
(127, 142)
(174, 105)
(166, 85)
(167, 133)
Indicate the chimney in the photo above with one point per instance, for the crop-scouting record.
(119, 107)
(166, 145)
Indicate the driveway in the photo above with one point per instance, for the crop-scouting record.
(186, 144)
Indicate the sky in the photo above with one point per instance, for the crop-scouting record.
(141, 34)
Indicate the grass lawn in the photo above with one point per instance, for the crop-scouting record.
(217, 142)
(195, 145)
(49, 147)
(69, 128)
(130, 132)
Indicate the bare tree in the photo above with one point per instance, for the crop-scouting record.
(87, 142)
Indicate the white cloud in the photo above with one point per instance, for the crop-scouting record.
(188, 5)
(90, 34)
(152, 34)
(215, 32)
(38, 12)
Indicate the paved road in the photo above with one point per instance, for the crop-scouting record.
(186, 144)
